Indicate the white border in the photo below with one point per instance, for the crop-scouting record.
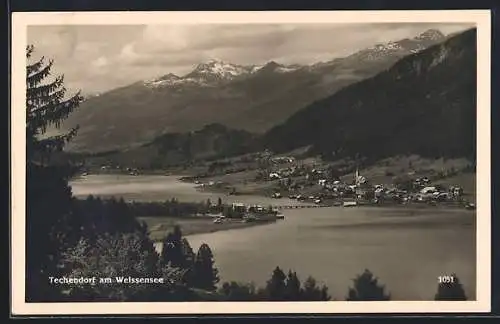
(20, 21)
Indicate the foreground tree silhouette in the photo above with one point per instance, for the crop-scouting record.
(205, 274)
(189, 262)
(172, 251)
(293, 291)
(50, 227)
(235, 291)
(276, 286)
(451, 291)
(311, 291)
(367, 288)
(178, 253)
(119, 255)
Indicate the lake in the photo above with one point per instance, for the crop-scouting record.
(159, 188)
(407, 249)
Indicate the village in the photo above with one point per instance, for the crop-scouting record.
(314, 182)
(326, 186)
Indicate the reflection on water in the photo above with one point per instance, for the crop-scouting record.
(406, 249)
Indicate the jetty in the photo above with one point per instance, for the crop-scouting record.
(300, 206)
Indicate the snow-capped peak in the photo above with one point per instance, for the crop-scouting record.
(272, 66)
(170, 76)
(214, 71)
(390, 46)
(430, 34)
(255, 68)
(219, 68)
(167, 79)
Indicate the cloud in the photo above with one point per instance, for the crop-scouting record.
(99, 58)
(100, 62)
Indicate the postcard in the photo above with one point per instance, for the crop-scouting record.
(280, 162)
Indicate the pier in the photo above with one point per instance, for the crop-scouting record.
(301, 206)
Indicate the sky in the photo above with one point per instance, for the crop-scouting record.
(95, 59)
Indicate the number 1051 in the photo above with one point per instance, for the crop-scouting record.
(446, 279)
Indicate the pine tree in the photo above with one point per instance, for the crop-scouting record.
(46, 106)
(188, 252)
(172, 248)
(311, 291)
(234, 291)
(188, 264)
(451, 291)
(276, 286)
(367, 288)
(51, 226)
(324, 295)
(293, 289)
(205, 274)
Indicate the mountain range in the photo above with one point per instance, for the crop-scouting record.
(254, 98)
(425, 104)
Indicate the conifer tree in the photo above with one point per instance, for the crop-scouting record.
(46, 106)
(50, 225)
(276, 286)
(293, 289)
(188, 264)
(205, 274)
(312, 292)
(235, 291)
(367, 288)
(172, 251)
(451, 291)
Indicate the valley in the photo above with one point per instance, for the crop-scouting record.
(250, 98)
(420, 125)
(223, 152)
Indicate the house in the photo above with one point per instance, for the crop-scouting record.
(256, 209)
(379, 192)
(428, 190)
(239, 207)
(456, 191)
(274, 175)
(282, 159)
(443, 196)
(285, 181)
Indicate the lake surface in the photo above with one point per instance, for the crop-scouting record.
(406, 249)
(158, 188)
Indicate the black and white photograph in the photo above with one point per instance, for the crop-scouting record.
(273, 163)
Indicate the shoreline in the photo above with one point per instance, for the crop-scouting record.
(159, 226)
(362, 204)
(194, 226)
(201, 225)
